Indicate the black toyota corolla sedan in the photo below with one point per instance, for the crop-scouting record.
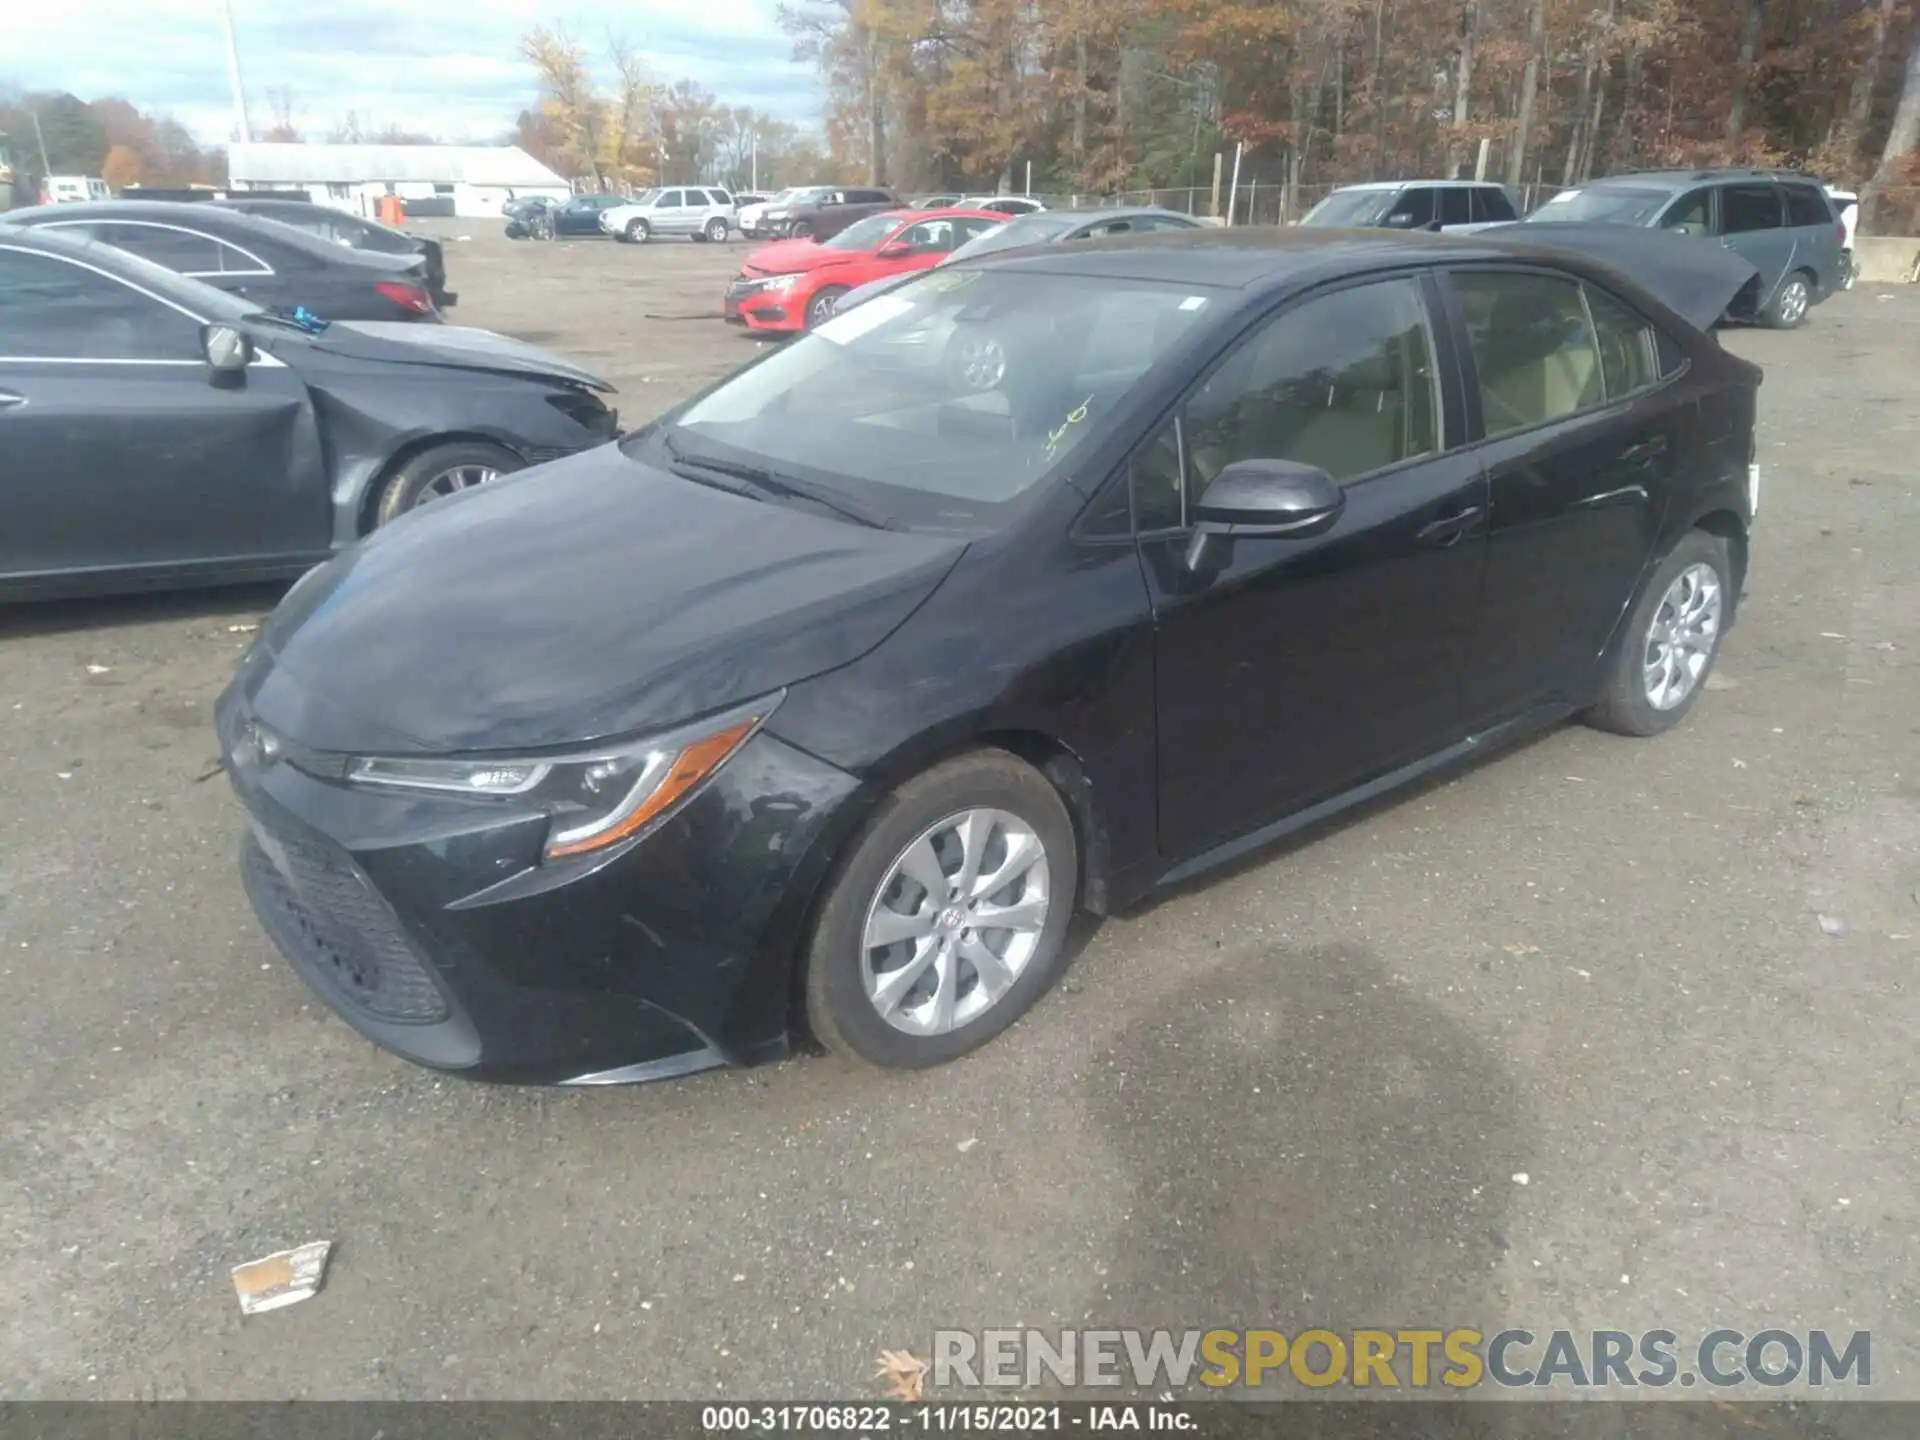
(820, 704)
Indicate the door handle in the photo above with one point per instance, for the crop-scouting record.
(1449, 529)
(8, 400)
(1648, 449)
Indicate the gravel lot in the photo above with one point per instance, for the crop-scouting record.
(1301, 1093)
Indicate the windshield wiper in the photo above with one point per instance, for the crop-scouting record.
(767, 482)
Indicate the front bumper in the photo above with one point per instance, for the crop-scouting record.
(769, 311)
(431, 925)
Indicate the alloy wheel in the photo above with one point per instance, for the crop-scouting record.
(820, 309)
(1793, 302)
(956, 920)
(1681, 639)
(455, 479)
(980, 362)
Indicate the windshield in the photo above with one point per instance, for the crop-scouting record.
(940, 404)
(646, 197)
(863, 234)
(1350, 209)
(1027, 230)
(1621, 205)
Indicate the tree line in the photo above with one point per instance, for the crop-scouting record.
(1101, 96)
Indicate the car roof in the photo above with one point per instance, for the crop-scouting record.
(1403, 184)
(1675, 178)
(1246, 257)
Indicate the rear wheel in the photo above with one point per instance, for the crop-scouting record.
(821, 307)
(637, 231)
(440, 471)
(1849, 271)
(1790, 306)
(1670, 641)
(948, 918)
(716, 230)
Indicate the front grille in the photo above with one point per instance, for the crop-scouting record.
(348, 937)
(742, 285)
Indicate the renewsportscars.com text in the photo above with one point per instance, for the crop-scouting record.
(1417, 1359)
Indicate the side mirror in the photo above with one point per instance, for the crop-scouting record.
(228, 351)
(1435, 226)
(895, 251)
(1398, 221)
(1269, 497)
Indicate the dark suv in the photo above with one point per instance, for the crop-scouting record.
(1781, 221)
(828, 210)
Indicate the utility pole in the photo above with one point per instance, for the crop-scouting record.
(753, 162)
(233, 74)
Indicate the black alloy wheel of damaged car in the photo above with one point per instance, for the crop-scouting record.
(819, 705)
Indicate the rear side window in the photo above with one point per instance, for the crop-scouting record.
(1806, 206)
(53, 309)
(1745, 208)
(1456, 206)
(718, 197)
(868, 197)
(1490, 204)
(187, 252)
(1629, 359)
(1533, 346)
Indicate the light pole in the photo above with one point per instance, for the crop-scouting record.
(233, 74)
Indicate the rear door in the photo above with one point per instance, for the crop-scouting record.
(1581, 435)
(1817, 233)
(1456, 205)
(119, 451)
(1290, 668)
(1753, 225)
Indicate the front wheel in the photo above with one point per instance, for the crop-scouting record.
(800, 229)
(1670, 641)
(948, 918)
(821, 307)
(637, 231)
(440, 471)
(1790, 306)
(716, 230)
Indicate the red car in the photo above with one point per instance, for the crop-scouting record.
(793, 285)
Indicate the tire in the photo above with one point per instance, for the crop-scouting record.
(843, 971)
(821, 307)
(433, 473)
(800, 229)
(637, 232)
(1790, 306)
(716, 230)
(1627, 705)
(1849, 272)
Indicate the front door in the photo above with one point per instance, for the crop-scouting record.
(1289, 669)
(118, 450)
(1582, 437)
(671, 213)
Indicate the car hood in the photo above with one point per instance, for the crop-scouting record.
(1698, 279)
(593, 597)
(787, 257)
(455, 347)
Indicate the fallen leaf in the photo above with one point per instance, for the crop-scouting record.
(103, 669)
(1521, 948)
(1834, 926)
(967, 1144)
(904, 1372)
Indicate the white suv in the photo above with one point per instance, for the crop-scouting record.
(704, 212)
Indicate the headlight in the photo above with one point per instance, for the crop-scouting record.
(597, 797)
(781, 283)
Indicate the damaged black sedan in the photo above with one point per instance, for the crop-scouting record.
(820, 704)
(155, 431)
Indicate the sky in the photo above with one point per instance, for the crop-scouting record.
(445, 67)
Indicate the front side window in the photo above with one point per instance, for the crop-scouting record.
(1344, 382)
(1413, 210)
(672, 200)
(1691, 214)
(1533, 346)
(54, 309)
(942, 403)
(1745, 208)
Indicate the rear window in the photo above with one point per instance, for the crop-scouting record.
(1806, 206)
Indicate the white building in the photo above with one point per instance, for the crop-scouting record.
(470, 180)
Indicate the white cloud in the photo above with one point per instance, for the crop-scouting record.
(447, 68)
